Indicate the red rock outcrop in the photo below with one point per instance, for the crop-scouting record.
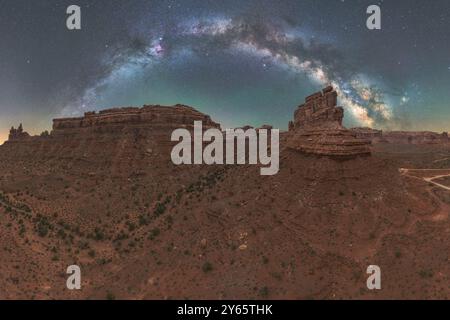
(317, 129)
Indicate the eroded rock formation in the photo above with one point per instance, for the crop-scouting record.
(18, 134)
(317, 129)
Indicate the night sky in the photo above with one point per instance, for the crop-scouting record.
(242, 62)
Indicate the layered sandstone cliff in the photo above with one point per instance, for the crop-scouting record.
(317, 129)
(153, 117)
(115, 135)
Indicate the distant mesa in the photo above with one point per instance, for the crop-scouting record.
(153, 119)
(317, 129)
(156, 116)
(401, 137)
(415, 137)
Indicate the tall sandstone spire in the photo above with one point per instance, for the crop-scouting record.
(317, 129)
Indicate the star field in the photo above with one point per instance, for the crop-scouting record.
(242, 62)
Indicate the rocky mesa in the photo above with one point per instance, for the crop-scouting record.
(155, 117)
(415, 137)
(111, 130)
(401, 137)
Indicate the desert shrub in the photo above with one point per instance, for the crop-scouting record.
(160, 209)
(131, 226)
(22, 230)
(121, 236)
(178, 196)
(169, 220)
(110, 296)
(42, 229)
(426, 273)
(98, 234)
(207, 267)
(264, 292)
(62, 234)
(142, 220)
(83, 245)
(154, 233)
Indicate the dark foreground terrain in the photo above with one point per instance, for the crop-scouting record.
(141, 228)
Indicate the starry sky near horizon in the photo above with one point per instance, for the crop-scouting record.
(242, 62)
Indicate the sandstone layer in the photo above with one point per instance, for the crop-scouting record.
(317, 129)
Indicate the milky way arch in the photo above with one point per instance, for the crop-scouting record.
(278, 45)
